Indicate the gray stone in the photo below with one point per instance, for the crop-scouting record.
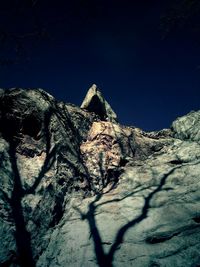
(188, 126)
(79, 189)
(95, 102)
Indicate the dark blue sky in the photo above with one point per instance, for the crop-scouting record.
(115, 44)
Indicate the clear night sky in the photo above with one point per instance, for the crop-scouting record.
(115, 44)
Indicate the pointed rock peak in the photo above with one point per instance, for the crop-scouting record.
(93, 88)
(95, 102)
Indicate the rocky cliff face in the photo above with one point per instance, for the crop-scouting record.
(79, 189)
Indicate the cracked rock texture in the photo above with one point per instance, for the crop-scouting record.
(79, 189)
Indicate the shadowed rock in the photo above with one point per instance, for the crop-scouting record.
(95, 102)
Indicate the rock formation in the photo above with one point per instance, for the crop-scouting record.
(79, 189)
(95, 102)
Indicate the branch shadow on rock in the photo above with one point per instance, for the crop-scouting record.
(103, 258)
(24, 256)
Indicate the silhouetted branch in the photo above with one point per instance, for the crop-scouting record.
(50, 155)
(106, 259)
(49, 160)
(121, 199)
(142, 216)
(22, 236)
(23, 240)
(66, 122)
(182, 17)
(94, 231)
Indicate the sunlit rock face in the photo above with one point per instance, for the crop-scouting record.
(79, 189)
(95, 102)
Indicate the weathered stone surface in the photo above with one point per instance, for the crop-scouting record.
(41, 164)
(188, 126)
(107, 147)
(78, 189)
(152, 217)
(95, 102)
